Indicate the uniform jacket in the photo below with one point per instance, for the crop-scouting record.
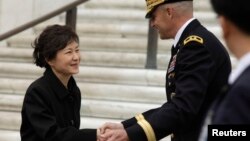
(198, 68)
(233, 107)
(50, 112)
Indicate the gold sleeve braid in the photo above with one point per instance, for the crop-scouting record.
(147, 128)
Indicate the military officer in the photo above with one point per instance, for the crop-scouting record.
(198, 68)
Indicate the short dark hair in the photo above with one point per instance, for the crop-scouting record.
(235, 11)
(52, 39)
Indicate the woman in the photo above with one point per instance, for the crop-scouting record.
(51, 107)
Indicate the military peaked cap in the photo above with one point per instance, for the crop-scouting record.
(153, 4)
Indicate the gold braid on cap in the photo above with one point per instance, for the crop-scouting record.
(152, 3)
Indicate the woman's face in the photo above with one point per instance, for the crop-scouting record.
(67, 61)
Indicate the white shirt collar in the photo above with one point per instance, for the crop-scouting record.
(243, 63)
(180, 31)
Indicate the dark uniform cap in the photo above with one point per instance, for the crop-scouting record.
(153, 4)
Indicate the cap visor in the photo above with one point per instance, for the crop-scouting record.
(149, 14)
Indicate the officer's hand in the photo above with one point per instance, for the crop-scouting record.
(109, 125)
(115, 135)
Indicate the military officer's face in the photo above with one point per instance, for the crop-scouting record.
(161, 20)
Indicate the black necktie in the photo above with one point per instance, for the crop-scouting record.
(174, 50)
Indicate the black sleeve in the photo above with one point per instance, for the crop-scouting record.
(191, 82)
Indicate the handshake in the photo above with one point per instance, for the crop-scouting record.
(112, 132)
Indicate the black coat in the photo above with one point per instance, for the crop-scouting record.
(233, 107)
(198, 68)
(50, 112)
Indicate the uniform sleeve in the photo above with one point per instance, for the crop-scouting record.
(44, 122)
(191, 82)
(130, 122)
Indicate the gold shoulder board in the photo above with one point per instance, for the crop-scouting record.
(193, 38)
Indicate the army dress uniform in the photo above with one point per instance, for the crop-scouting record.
(198, 68)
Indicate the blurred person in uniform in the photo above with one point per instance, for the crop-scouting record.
(51, 107)
(198, 69)
(232, 106)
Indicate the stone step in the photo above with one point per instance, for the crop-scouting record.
(90, 58)
(199, 5)
(17, 55)
(116, 30)
(134, 45)
(11, 135)
(10, 123)
(131, 15)
(104, 43)
(96, 91)
(90, 107)
(145, 77)
(114, 15)
(95, 58)
(119, 4)
(122, 30)
(202, 5)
